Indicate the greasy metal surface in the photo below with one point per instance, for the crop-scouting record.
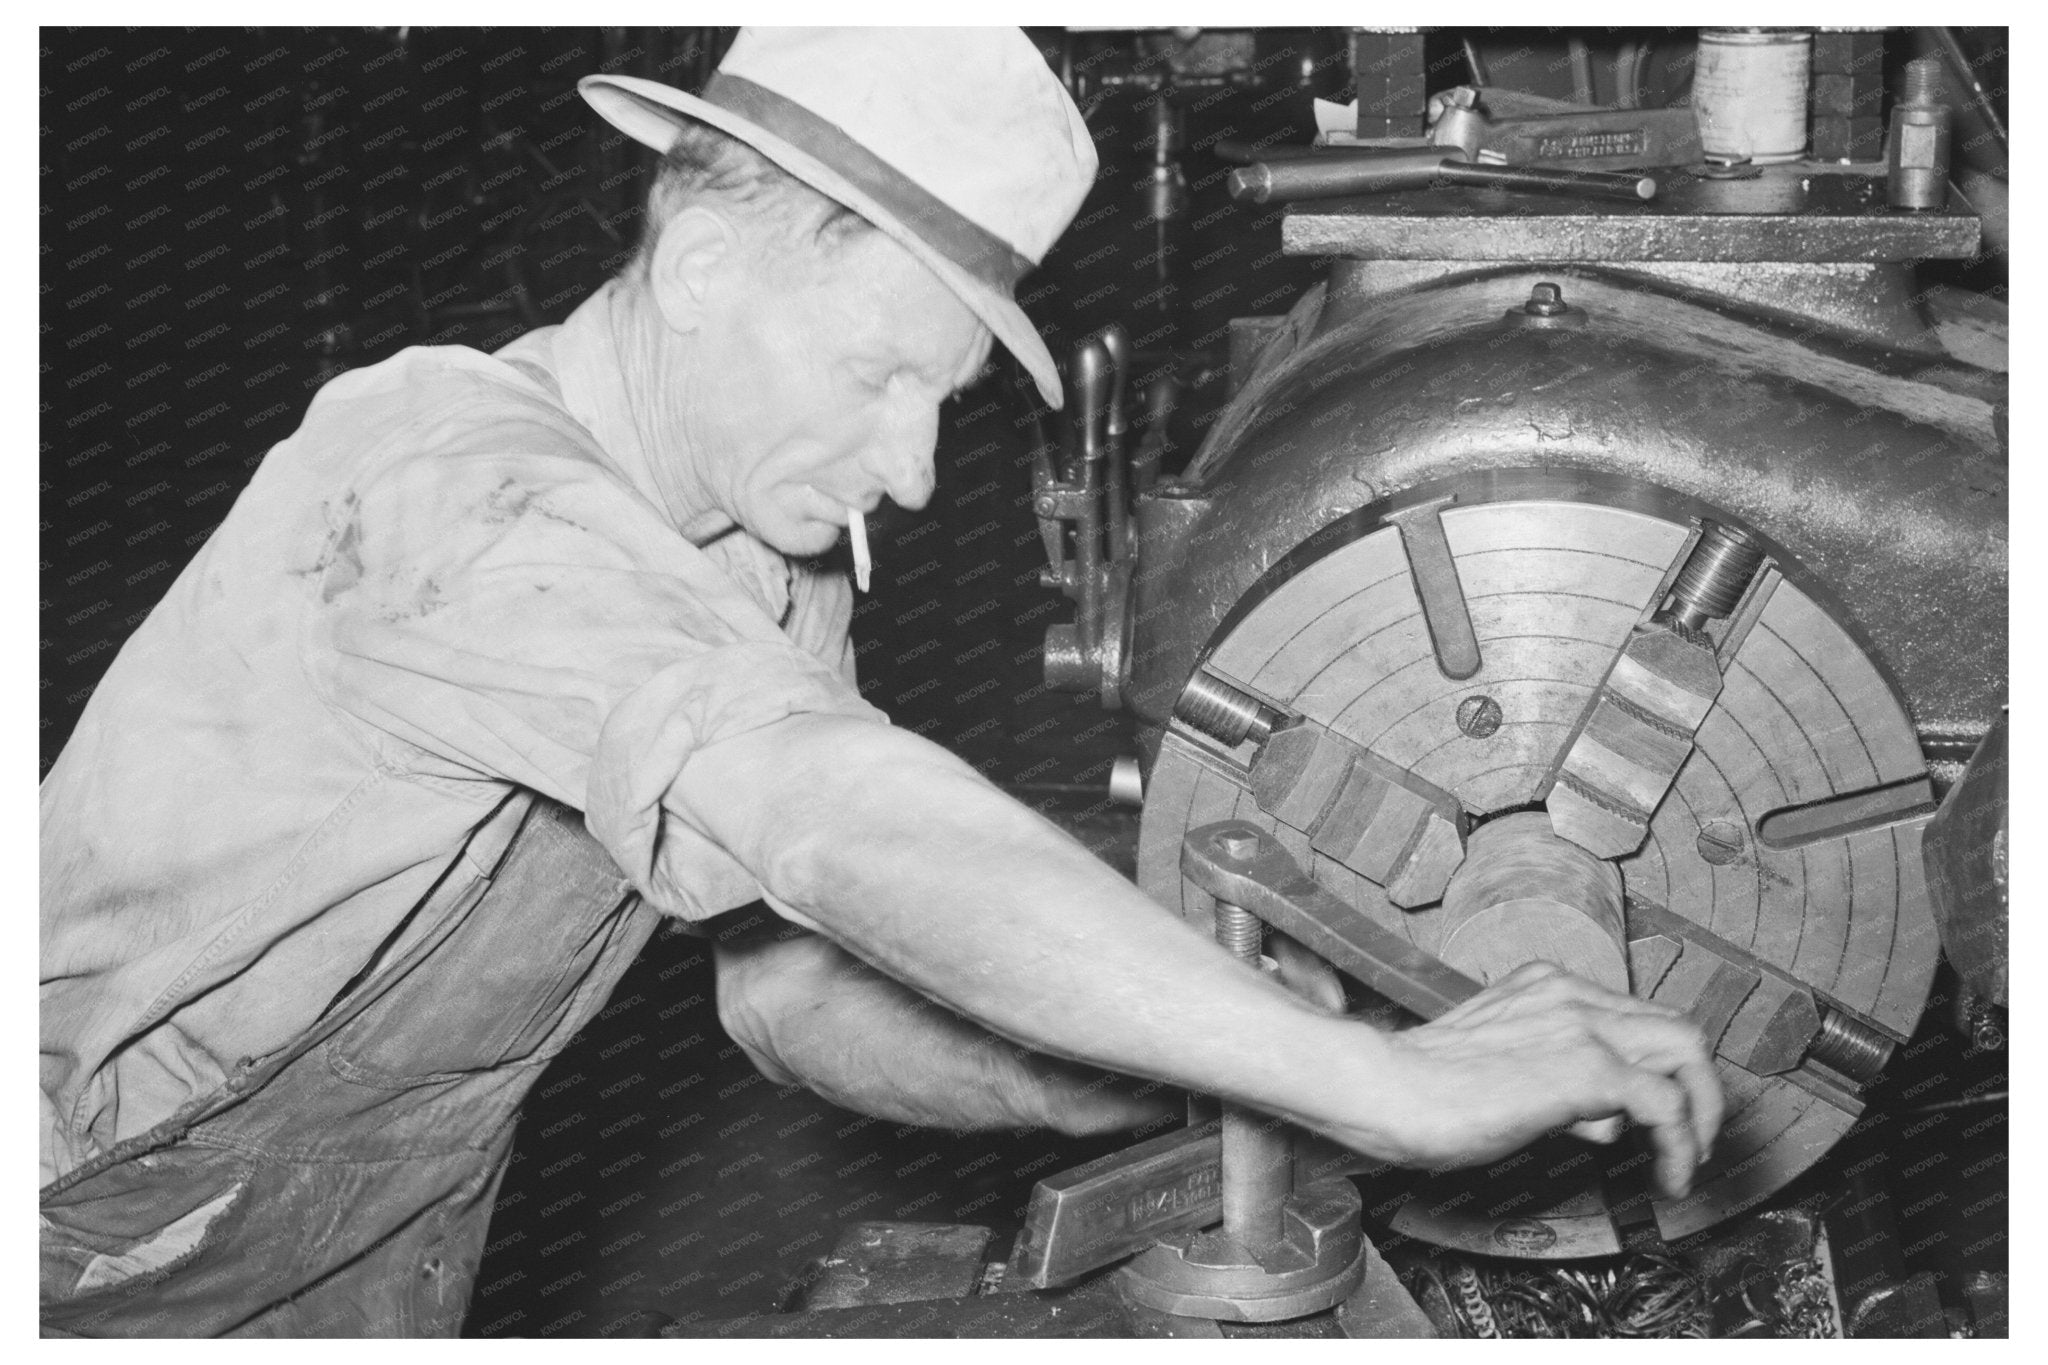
(1755, 1043)
(1875, 302)
(1883, 476)
(1093, 1310)
(1633, 736)
(1968, 869)
(1378, 819)
(1606, 137)
(1381, 1306)
(1089, 1310)
(1798, 212)
(1098, 1213)
(1554, 586)
(1375, 171)
(1314, 1265)
(898, 1263)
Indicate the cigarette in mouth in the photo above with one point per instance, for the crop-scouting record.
(857, 532)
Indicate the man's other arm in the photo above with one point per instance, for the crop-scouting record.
(806, 1010)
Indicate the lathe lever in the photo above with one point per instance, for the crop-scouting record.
(1240, 864)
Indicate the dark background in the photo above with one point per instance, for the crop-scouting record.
(230, 217)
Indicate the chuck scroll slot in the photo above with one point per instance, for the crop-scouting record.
(1438, 588)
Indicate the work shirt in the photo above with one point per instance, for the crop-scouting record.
(462, 574)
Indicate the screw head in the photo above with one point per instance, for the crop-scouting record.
(1237, 845)
(1720, 842)
(1479, 717)
(1546, 300)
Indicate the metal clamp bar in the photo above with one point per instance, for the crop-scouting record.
(1240, 864)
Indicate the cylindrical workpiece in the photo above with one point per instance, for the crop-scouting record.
(1749, 93)
(1258, 1154)
(1525, 894)
(1332, 175)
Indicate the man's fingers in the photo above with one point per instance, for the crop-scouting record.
(1703, 1092)
(1545, 985)
(1673, 1047)
(1602, 1131)
(1659, 1105)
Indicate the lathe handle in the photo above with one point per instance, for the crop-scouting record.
(1336, 174)
(1240, 864)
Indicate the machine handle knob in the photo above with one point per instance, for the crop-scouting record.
(1092, 376)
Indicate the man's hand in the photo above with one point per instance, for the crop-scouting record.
(1539, 1050)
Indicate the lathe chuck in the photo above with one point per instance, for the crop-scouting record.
(1778, 893)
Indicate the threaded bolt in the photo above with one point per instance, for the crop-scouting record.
(1715, 575)
(1917, 149)
(1923, 83)
(1852, 1048)
(1240, 932)
(1221, 711)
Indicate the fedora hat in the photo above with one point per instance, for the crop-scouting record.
(959, 143)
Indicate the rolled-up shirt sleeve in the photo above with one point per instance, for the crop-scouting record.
(530, 618)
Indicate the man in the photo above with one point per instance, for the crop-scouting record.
(319, 905)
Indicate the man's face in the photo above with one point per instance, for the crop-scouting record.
(824, 368)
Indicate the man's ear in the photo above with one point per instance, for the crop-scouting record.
(695, 249)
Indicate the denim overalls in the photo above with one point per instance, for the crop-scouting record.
(342, 1186)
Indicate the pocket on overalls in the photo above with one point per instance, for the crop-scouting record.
(137, 1221)
(512, 981)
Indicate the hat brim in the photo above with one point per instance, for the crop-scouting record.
(650, 112)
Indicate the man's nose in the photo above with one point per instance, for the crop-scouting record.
(901, 453)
